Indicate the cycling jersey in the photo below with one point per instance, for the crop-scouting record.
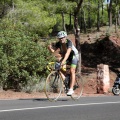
(63, 49)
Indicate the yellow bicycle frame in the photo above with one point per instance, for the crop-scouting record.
(51, 65)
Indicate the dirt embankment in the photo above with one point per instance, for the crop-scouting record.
(105, 50)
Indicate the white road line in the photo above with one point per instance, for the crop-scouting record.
(59, 106)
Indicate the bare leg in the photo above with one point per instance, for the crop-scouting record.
(72, 82)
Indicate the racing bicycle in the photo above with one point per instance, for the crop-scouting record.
(55, 85)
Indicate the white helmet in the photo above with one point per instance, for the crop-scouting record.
(61, 34)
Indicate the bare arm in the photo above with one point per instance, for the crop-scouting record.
(50, 48)
(55, 52)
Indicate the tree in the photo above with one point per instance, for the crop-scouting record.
(77, 32)
(98, 17)
(110, 12)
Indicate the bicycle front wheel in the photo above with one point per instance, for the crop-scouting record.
(53, 86)
(78, 87)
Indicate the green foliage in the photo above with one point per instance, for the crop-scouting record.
(33, 16)
(41, 17)
(22, 61)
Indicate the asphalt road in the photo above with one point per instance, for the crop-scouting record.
(86, 108)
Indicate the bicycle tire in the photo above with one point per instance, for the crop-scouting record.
(53, 86)
(78, 87)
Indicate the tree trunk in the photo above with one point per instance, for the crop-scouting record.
(77, 42)
(110, 13)
(89, 20)
(70, 24)
(84, 22)
(98, 18)
(118, 17)
(63, 22)
(77, 33)
(13, 6)
(81, 20)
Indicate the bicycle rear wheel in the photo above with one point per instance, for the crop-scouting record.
(78, 87)
(53, 86)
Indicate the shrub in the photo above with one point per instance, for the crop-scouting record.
(22, 61)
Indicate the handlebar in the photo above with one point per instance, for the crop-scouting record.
(55, 66)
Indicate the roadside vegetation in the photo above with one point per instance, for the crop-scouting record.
(27, 26)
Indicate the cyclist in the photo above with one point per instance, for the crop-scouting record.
(69, 53)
